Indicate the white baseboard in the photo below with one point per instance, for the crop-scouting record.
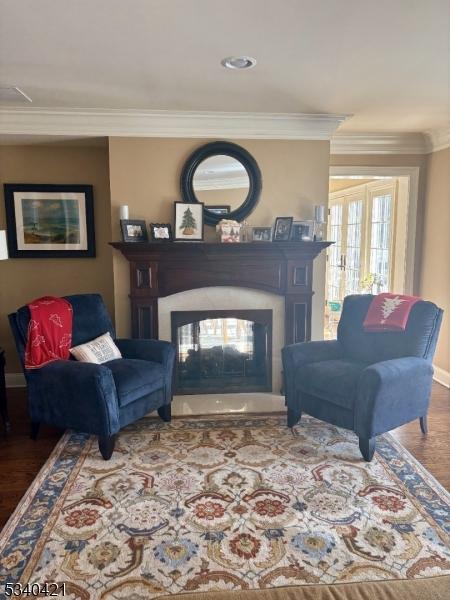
(442, 376)
(15, 380)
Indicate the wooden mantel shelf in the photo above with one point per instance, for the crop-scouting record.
(159, 269)
(129, 249)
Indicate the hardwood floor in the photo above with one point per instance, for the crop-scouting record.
(432, 449)
(21, 458)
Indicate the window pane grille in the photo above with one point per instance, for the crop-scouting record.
(334, 253)
(353, 255)
(380, 242)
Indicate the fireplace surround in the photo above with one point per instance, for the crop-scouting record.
(158, 270)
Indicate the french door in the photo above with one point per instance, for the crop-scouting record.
(361, 225)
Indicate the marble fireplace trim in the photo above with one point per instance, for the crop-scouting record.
(229, 298)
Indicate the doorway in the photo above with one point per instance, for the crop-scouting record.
(371, 220)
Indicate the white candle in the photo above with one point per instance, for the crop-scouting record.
(124, 213)
(319, 213)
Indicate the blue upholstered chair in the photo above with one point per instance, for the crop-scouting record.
(367, 382)
(97, 399)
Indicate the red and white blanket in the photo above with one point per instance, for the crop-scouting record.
(49, 331)
(389, 312)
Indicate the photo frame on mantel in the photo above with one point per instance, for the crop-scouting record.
(282, 229)
(302, 231)
(161, 232)
(134, 230)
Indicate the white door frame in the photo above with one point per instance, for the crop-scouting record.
(412, 173)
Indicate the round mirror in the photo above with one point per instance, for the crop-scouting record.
(225, 178)
(221, 180)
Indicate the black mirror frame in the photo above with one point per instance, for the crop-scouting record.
(240, 154)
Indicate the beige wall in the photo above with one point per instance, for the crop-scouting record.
(145, 175)
(435, 271)
(22, 280)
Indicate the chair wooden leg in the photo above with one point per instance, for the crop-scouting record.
(293, 417)
(367, 447)
(106, 446)
(165, 412)
(424, 424)
(34, 429)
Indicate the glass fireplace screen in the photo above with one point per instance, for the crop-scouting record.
(223, 354)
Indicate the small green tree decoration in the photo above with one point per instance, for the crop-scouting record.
(188, 224)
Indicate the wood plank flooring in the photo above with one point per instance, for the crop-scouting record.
(21, 458)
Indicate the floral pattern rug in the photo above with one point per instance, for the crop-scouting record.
(225, 503)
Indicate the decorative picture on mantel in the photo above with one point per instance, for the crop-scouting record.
(49, 221)
(188, 222)
(282, 229)
(161, 232)
(134, 230)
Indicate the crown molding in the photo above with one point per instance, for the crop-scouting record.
(378, 143)
(437, 139)
(161, 123)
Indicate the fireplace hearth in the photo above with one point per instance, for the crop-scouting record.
(219, 351)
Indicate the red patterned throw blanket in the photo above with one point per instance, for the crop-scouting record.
(389, 312)
(49, 331)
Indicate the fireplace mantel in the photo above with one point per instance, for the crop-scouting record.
(160, 269)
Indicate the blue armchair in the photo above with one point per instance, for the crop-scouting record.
(97, 399)
(367, 382)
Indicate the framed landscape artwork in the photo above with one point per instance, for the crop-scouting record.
(49, 221)
(188, 222)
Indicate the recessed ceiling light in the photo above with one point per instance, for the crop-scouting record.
(238, 62)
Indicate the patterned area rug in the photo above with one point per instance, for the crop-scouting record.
(223, 503)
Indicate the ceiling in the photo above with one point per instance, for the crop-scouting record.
(384, 62)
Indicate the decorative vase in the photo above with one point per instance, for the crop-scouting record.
(229, 231)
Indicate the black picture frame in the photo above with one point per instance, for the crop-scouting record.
(282, 229)
(47, 229)
(219, 209)
(198, 213)
(129, 229)
(154, 234)
(228, 149)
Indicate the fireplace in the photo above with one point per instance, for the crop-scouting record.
(162, 271)
(219, 351)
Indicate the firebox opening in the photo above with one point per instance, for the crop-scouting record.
(222, 351)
